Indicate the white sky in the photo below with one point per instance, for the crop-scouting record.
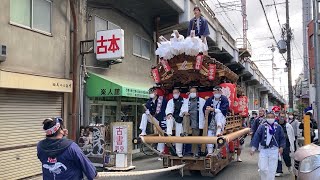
(260, 37)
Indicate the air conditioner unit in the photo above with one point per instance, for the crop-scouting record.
(3, 53)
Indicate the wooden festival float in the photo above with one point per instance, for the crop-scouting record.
(203, 72)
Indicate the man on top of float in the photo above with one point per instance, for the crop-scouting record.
(177, 107)
(196, 115)
(200, 25)
(218, 105)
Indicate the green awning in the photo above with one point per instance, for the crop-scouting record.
(103, 86)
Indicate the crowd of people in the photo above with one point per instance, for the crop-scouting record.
(275, 135)
(172, 114)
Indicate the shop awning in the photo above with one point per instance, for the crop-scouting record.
(103, 86)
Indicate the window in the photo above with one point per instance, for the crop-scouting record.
(101, 24)
(141, 47)
(311, 41)
(33, 14)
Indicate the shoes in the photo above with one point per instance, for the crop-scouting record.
(160, 159)
(180, 155)
(184, 134)
(196, 156)
(143, 134)
(238, 159)
(290, 169)
(278, 174)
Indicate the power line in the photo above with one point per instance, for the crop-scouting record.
(275, 7)
(265, 15)
(227, 16)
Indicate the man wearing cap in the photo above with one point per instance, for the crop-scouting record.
(218, 106)
(156, 106)
(61, 158)
(199, 24)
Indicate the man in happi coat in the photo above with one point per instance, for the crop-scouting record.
(270, 140)
(200, 25)
(196, 115)
(218, 106)
(156, 106)
(176, 109)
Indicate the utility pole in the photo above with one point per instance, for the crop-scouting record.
(316, 57)
(288, 32)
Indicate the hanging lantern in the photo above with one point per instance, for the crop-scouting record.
(165, 65)
(199, 60)
(155, 75)
(243, 106)
(229, 90)
(212, 71)
(235, 107)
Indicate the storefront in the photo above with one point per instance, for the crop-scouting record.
(113, 100)
(25, 101)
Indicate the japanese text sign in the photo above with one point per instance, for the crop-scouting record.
(109, 45)
(211, 72)
(120, 139)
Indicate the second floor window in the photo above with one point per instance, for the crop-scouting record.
(141, 47)
(33, 14)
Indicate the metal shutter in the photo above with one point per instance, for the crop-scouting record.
(21, 117)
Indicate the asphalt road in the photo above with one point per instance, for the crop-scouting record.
(246, 170)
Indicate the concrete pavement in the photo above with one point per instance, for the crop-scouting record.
(246, 170)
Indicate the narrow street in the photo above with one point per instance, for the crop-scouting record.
(246, 170)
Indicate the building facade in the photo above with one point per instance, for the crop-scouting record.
(34, 78)
(115, 91)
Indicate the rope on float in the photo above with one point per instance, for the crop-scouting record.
(138, 173)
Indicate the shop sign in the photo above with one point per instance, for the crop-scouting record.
(110, 92)
(135, 93)
(109, 45)
(120, 139)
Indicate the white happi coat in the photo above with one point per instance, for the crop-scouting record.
(201, 114)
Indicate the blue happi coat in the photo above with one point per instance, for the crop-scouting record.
(152, 107)
(204, 28)
(223, 106)
(260, 137)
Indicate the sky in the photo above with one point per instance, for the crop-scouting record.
(260, 36)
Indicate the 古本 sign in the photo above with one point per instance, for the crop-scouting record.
(120, 139)
(109, 45)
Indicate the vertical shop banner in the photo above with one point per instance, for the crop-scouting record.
(120, 139)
